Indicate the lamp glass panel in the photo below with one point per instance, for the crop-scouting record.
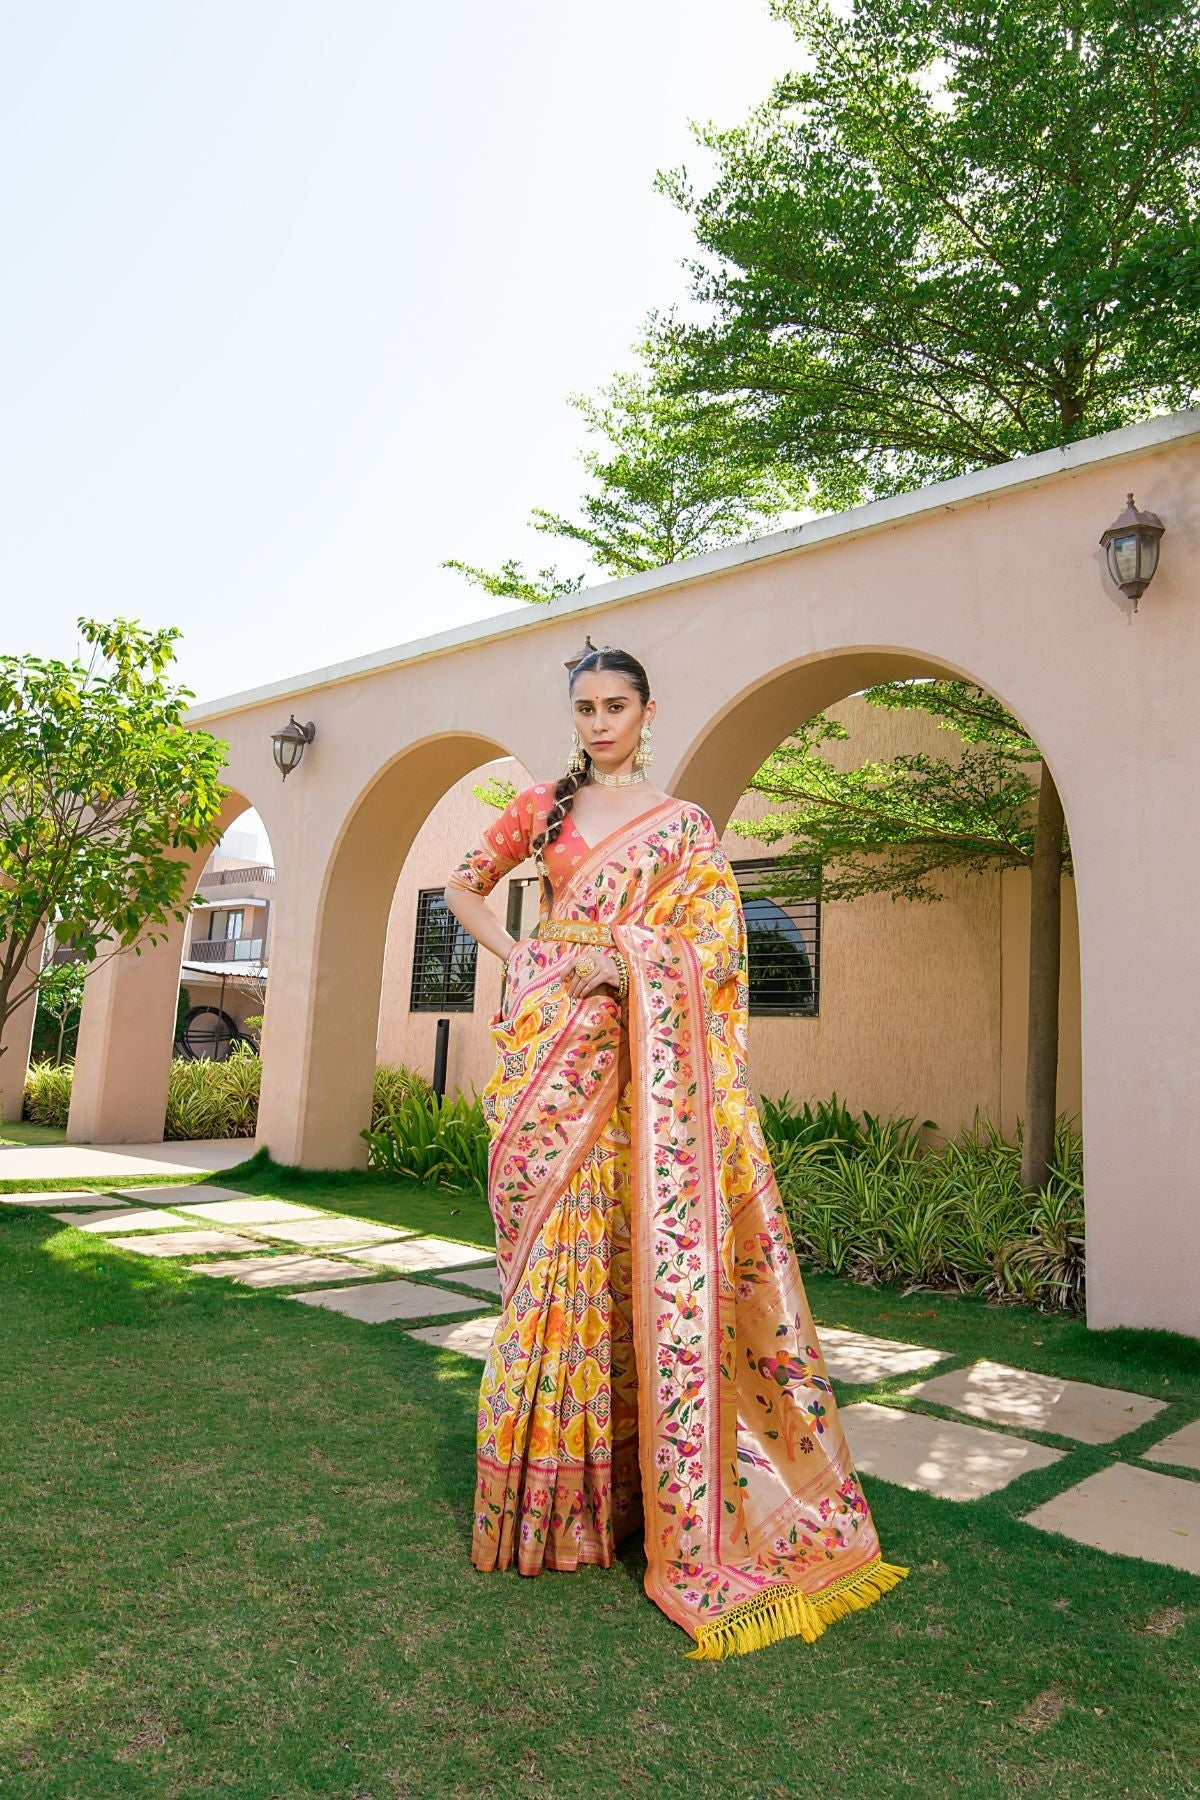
(1149, 557)
(1124, 557)
(287, 749)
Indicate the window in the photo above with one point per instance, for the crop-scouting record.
(444, 958)
(783, 940)
(223, 924)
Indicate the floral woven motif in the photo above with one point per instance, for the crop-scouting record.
(655, 1362)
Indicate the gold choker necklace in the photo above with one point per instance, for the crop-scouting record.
(604, 780)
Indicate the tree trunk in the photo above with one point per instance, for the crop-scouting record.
(1045, 939)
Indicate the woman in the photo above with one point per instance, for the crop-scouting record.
(655, 1362)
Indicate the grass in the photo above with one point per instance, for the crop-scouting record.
(24, 1131)
(234, 1560)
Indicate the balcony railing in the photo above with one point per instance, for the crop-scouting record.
(219, 950)
(226, 877)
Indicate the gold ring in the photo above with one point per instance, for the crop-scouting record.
(586, 965)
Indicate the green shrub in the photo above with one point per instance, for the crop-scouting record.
(441, 1142)
(869, 1199)
(207, 1099)
(394, 1083)
(48, 1093)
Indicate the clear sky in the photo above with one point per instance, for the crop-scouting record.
(294, 295)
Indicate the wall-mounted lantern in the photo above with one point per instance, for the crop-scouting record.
(573, 662)
(289, 742)
(1131, 546)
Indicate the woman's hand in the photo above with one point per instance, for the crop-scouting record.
(605, 974)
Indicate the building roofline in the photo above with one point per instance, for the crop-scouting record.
(941, 496)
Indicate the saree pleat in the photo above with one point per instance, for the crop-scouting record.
(558, 1480)
(655, 1361)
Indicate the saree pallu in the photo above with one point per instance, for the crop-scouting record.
(655, 1361)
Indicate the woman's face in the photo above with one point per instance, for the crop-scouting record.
(609, 716)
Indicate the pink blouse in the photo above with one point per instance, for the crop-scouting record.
(506, 843)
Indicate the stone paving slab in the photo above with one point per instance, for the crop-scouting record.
(378, 1301)
(937, 1456)
(180, 1195)
(851, 1356)
(485, 1281)
(68, 1197)
(422, 1253)
(1181, 1449)
(1073, 1409)
(185, 1243)
(326, 1233)
(241, 1209)
(1132, 1511)
(472, 1338)
(122, 1218)
(278, 1271)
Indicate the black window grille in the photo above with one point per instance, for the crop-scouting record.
(783, 945)
(444, 958)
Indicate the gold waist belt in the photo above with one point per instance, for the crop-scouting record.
(573, 931)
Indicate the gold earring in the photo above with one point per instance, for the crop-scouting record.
(577, 761)
(643, 755)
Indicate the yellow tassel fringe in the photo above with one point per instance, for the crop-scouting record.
(782, 1612)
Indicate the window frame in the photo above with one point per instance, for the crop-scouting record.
(458, 941)
(804, 916)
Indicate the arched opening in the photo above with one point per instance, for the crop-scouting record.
(328, 982)
(128, 1027)
(227, 946)
(897, 1007)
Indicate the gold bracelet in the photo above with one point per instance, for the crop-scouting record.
(622, 974)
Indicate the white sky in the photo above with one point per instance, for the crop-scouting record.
(294, 295)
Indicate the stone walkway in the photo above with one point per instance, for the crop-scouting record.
(358, 1268)
(104, 1162)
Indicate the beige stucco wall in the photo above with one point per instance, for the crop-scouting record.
(922, 1007)
(995, 577)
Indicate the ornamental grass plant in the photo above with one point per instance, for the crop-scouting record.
(206, 1098)
(873, 1200)
(439, 1142)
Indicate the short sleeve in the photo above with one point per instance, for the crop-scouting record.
(503, 846)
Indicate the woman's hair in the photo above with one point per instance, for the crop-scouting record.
(567, 785)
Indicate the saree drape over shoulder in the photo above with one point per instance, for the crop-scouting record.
(655, 1362)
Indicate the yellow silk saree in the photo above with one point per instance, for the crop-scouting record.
(655, 1362)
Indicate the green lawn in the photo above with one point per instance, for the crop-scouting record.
(235, 1561)
(23, 1131)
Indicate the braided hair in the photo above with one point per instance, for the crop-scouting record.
(568, 784)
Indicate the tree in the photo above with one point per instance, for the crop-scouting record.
(965, 233)
(669, 487)
(892, 827)
(968, 232)
(56, 1023)
(101, 786)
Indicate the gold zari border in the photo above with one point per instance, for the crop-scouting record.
(573, 931)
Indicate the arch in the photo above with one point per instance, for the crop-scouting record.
(127, 1028)
(744, 727)
(748, 725)
(320, 1031)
